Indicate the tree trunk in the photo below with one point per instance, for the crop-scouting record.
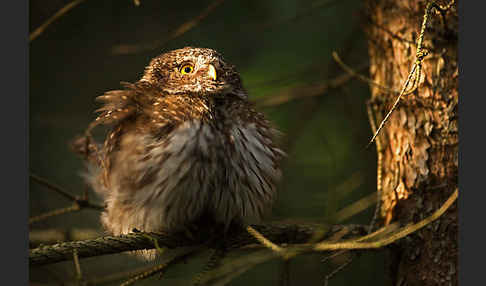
(419, 143)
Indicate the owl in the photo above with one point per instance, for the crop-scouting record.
(185, 148)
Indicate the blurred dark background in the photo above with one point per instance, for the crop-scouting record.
(278, 46)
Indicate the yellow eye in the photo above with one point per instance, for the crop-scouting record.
(186, 69)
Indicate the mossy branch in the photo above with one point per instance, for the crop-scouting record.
(278, 233)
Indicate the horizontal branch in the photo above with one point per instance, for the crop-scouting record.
(278, 233)
(306, 90)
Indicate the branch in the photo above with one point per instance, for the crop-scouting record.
(125, 49)
(401, 233)
(381, 238)
(79, 203)
(82, 202)
(174, 257)
(37, 32)
(52, 187)
(278, 233)
(74, 208)
(306, 90)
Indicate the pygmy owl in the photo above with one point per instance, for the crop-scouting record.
(185, 144)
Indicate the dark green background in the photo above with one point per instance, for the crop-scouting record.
(275, 45)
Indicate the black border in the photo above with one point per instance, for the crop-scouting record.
(14, 135)
(471, 147)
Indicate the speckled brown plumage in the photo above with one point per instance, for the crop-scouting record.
(184, 146)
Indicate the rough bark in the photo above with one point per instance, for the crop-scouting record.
(419, 143)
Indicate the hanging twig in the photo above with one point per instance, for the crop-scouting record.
(416, 70)
(379, 167)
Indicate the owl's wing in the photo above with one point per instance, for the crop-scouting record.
(118, 104)
(120, 107)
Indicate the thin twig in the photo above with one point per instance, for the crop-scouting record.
(263, 240)
(288, 252)
(334, 254)
(293, 93)
(240, 265)
(361, 77)
(395, 36)
(179, 31)
(235, 267)
(37, 32)
(416, 69)
(324, 246)
(77, 266)
(302, 15)
(82, 202)
(338, 269)
(152, 271)
(213, 262)
(115, 277)
(355, 208)
(379, 167)
(174, 257)
(52, 186)
(74, 208)
(380, 232)
(405, 85)
(384, 230)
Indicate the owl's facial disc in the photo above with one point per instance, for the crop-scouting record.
(204, 76)
(194, 71)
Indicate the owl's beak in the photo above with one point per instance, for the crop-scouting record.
(212, 72)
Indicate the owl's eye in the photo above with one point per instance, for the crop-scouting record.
(186, 69)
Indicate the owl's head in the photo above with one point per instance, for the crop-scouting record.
(194, 71)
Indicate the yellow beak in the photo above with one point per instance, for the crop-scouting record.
(212, 72)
